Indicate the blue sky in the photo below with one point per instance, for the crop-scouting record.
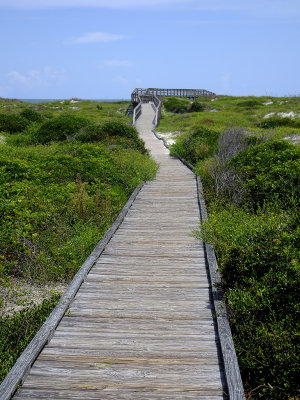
(106, 48)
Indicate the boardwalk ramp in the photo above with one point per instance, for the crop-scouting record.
(141, 325)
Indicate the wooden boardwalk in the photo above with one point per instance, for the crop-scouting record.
(140, 326)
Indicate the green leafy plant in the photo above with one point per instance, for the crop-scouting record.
(276, 121)
(249, 103)
(197, 106)
(176, 104)
(195, 145)
(12, 123)
(270, 172)
(60, 128)
(31, 115)
(116, 128)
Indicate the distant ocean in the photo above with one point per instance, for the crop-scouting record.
(51, 100)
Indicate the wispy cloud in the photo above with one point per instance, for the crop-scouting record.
(96, 37)
(117, 63)
(264, 8)
(34, 78)
(114, 4)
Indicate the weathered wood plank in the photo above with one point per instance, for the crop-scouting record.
(111, 395)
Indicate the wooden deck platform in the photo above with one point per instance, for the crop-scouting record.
(141, 325)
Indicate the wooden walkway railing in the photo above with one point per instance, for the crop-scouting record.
(189, 93)
(156, 103)
(140, 321)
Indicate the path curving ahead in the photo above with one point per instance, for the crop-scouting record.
(140, 326)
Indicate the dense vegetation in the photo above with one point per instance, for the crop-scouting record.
(16, 332)
(65, 174)
(251, 183)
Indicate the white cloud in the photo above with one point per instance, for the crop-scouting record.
(34, 78)
(118, 63)
(96, 37)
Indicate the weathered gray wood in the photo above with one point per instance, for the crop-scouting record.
(24, 362)
(127, 394)
(147, 94)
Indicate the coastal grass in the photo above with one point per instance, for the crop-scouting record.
(226, 111)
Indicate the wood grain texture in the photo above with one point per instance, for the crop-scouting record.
(141, 325)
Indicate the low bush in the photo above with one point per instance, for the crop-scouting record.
(270, 172)
(116, 128)
(276, 121)
(195, 145)
(31, 115)
(176, 104)
(114, 134)
(60, 128)
(90, 133)
(197, 106)
(258, 257)
(220, 178)
(12, 123)
(249, 103)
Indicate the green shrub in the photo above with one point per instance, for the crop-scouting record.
(258, 258)
(12, 123)
(116, 128)
(31, 115)
(250, 245)
(196, 145)
(60, 128)
(276, 121)
(176, 104)
(270, 172)
(249, 103)
(91, 133)
(197, 106)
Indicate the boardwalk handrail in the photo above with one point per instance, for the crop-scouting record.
(154, 95)
(147, 98)
(137, 111)
(157, 103)
(189, 93)
(22, 366)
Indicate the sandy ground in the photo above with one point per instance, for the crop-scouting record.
(293, 139)
(18, 294)
(169, 137)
